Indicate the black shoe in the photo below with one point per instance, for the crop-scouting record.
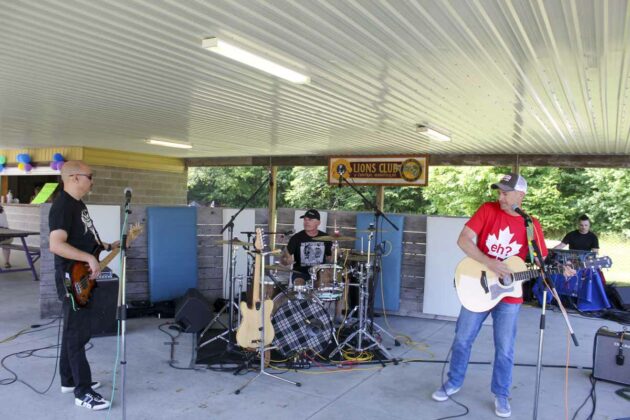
(92, 400)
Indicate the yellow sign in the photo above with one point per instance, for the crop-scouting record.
(45, 193)
(402, 170)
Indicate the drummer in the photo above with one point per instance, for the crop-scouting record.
(303, 251)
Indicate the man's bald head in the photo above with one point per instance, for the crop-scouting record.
(72, 167)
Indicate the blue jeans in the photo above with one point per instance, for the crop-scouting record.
(505, 319)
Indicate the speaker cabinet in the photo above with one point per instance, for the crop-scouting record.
(193, 311)
(611, 356)
(620, 296)
(104, 304)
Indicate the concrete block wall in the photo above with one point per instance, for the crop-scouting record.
(149, 187)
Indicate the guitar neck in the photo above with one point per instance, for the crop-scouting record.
(109, 258)
(256, 281)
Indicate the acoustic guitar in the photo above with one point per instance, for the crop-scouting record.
(480, 289)
(81, 285)
(248, 334)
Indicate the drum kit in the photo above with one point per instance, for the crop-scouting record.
(301, 311)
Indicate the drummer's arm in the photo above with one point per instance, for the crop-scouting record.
(286, 258)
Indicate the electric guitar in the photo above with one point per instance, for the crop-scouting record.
(81, 285)
(248, 334)
(480, 289)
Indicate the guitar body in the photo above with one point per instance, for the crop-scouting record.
(480, 289)
(81, 286)
(248, 333)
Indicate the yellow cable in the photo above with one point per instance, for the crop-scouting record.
(14, 336)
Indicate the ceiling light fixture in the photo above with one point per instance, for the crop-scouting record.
(431, 133)
(169, 143)
(230, 51)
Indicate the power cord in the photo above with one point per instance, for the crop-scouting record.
(32, 352)
(465, 413)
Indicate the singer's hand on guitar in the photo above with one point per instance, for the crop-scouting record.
(498, 267)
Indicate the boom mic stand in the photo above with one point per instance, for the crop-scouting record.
(341, 170)
(549, 284)
(230, 346)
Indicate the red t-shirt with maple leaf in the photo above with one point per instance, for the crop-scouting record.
(501, 235)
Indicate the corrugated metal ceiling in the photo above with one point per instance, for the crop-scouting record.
(546, 77)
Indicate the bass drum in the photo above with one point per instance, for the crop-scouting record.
(300, 325)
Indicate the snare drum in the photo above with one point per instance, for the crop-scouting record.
(327, 286)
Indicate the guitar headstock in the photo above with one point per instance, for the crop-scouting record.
(258, 241)
(601, 262)
(135, 230)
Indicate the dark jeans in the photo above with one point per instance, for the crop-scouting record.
(74, 368)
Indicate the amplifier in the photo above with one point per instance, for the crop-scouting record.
(611, 356)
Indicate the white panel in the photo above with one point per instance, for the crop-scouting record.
(298, 224)
(442, 256)
(245, 222)
(107, 222)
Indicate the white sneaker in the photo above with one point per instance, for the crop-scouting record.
(444, 392)
(68, 389)
(502, 407)
(92, 401)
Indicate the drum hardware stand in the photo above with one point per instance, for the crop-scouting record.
(261, 348)
(230, 332)
(218, 315)
(363, 320)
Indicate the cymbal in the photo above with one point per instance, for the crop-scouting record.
(278, 267)
(235, 242)
(332, 238)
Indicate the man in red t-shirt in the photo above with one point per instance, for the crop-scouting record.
(494, 233)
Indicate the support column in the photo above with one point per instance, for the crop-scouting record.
(380, 197)
(273, 189)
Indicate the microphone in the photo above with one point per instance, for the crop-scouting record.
(341, 169)
(128, 192)
(520, 212)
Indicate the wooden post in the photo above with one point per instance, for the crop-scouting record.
(380, 197)
(516, 166)
(273, 189)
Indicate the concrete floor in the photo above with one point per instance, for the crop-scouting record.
(156, 391)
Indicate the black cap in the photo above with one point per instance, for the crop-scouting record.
(311, 214)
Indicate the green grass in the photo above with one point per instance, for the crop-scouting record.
(617, 247)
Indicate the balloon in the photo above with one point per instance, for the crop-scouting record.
(57, 157)
(60, 164)
(28, 167)
(3, 160)
(53, 165)
(27, 158)
(21, 166)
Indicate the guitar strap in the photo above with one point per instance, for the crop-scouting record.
(530, 238)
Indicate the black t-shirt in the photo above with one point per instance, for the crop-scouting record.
(71, 215)
(308, 252)
(581, 241)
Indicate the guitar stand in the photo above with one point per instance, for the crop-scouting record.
(228, 329)
(261, 348)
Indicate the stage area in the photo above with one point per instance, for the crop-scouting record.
(157, 391)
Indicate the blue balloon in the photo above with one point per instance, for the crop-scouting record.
(57, 157)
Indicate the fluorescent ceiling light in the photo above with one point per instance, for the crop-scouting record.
(431, 133)
(227, 50)
(170, 143)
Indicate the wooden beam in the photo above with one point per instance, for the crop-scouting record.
(380, 196)
(509, 160)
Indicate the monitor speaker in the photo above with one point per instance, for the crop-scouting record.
(192, 311)
(103, 306)
(611, 356)
(620, 296)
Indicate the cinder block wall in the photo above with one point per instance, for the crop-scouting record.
(149, 187)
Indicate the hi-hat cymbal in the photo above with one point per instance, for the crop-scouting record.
(332, 238)
(278, 267)
(235, 242)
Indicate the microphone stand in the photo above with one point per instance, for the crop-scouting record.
(377, 249)
(549, 284)
(230, 348)
(121, 312)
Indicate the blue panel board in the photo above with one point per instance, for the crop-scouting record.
(392, 257)
(172, 251)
